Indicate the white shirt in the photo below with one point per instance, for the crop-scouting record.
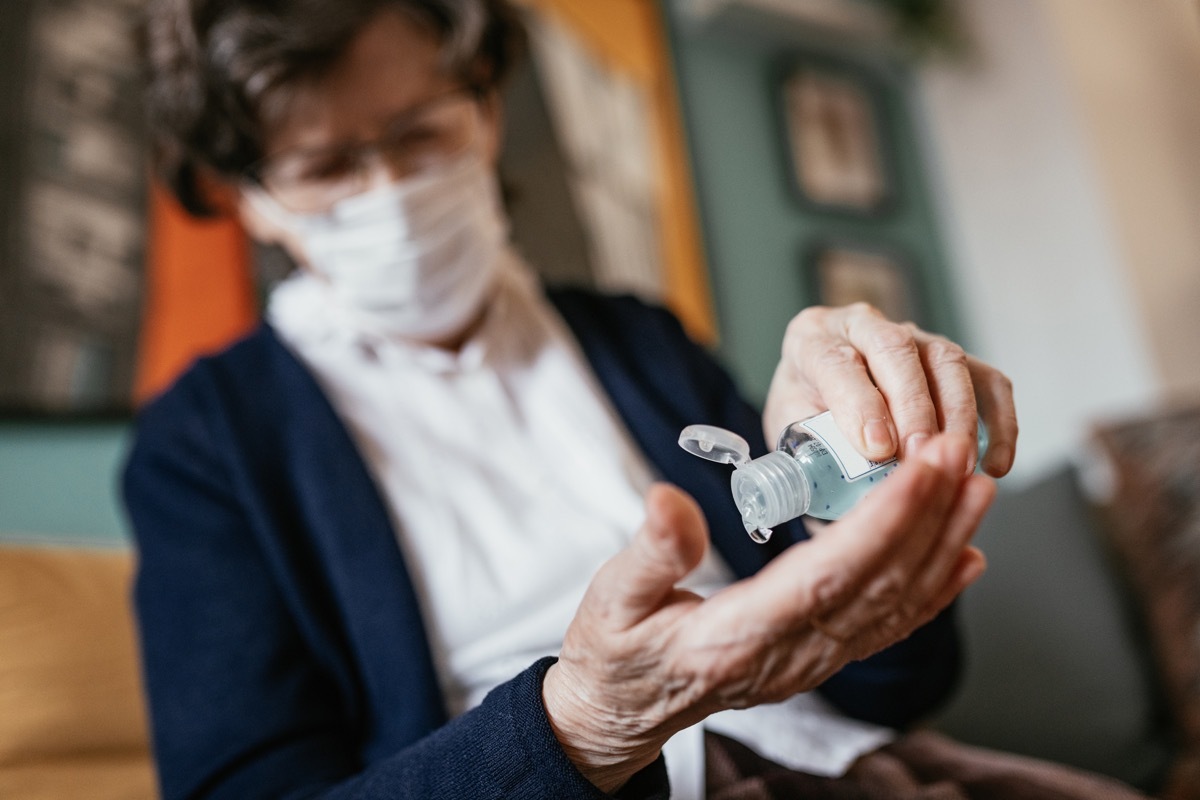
(510, 480)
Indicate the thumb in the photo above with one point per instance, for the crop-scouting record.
(633, 584)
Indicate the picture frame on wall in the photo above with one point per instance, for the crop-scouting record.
(72, 209)
(835, 138)
(844, 273)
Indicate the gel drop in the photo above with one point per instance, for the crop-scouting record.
(814, 470)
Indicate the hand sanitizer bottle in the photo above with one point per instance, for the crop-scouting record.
(814, 470)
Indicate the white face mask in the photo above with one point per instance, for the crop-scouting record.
(413, 259)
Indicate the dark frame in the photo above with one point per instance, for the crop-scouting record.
(881, 269)
(72, 211)
(852, 79)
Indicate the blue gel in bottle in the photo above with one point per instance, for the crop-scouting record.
(814, 470)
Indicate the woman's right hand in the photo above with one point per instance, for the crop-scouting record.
(643, 660)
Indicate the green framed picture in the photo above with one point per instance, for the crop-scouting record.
(842, 273)
(835, 138)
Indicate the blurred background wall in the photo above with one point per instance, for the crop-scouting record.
(1042, 191)
(1066, 157)
(1048, 187)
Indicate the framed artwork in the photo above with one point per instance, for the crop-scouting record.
(835, 139)
(843, 274)
(72, 207)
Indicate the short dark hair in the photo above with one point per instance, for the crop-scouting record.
(218, 71)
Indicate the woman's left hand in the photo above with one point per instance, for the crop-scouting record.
(644, 659)
(890, 386)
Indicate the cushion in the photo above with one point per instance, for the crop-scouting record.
(1056, 664)
(1151, 516)
(72, 718)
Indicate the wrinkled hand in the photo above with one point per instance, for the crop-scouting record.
(890, 386)
(643, 659)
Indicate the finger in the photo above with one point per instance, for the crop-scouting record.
(973, 502)
(780, 603)
(894, 362)
(950, 385)
(637, 581)
(969, 567)
(844, 382)
(898, 591)
(997, 407)
(822, 575)
(790, 397)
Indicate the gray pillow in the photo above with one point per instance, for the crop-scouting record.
(1056, 665)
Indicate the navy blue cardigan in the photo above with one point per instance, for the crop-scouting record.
(282, 643)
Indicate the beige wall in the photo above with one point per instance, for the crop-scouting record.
(1133, 67)
(1066, 157)
(1038, 269)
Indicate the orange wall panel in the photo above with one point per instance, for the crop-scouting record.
(199, 291)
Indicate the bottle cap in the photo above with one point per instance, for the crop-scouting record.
(769, 491)
(715, 444)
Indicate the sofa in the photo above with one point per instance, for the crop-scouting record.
(72, 721)
(1071, 656)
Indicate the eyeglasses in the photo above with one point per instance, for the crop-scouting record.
(422, 139)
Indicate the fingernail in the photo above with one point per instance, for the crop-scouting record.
(949, 454)
(974, 571)
(999, 456)
(958, 452)
(934, 454)
(878, 436)
(915, 444)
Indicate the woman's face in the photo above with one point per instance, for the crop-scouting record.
(390, 71)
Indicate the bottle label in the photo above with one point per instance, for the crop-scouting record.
(853, 464)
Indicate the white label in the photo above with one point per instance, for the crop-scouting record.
(853, 464)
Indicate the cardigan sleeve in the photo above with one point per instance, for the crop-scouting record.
(241, 706)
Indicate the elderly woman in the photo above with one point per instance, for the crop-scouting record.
(407, 538)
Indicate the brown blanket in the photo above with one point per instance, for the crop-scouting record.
(918, 766)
